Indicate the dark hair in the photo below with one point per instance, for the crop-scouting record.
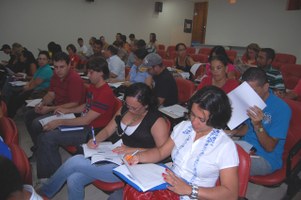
(99, 64)
(220, 58)
(123, 38)
(154, 37)
(29, 57)
(98, 42)
(46, 53)
(140, 44)
(179, 44)
(112, 49)
(72, 47)
(80, 39)
(143, 93)
(10, 179)
(270, 53)
(214, 100)
(255, 74)
(61, 56)
(132, 35)
(54, 48)
(141, 53)
(219, 50)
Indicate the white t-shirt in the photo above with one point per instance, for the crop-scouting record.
(34, 195)
(117, 66)
(199, 162)
(83, 49)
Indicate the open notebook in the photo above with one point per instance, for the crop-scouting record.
(143, 177)
(46, 120)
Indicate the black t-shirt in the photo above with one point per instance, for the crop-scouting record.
(166, 87)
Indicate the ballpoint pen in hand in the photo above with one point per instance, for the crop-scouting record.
(93, 136)
(129, 157)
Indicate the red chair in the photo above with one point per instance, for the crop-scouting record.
(9, 131)
(190, 50)
(168, 63)
(20, 159)
(4, 108)
(291, 74)
(172, 55)
(205, 51)
(161, 47)
(199, 58)
(282, 58)
(185, 90)
(162, 53)
(231, 54)
(170, 49)
(291, 157)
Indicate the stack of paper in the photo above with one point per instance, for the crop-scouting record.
(174, 111)
(242, 98)
(46, 120)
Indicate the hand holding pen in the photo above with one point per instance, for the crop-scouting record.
(130, 158)
(93, 136)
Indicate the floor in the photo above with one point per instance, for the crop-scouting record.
(255, 192)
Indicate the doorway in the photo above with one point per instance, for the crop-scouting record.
(199, 22)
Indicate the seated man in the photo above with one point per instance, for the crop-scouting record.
(266, 129)
(96, 112)
(165, 85)
(264, 61)
(66, 90)
(116, 65)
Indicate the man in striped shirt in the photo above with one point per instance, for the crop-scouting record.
(264, 61)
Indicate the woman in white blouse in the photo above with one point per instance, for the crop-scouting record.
(201, 153)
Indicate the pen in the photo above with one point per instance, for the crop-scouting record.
(93, 135)
(129, 157)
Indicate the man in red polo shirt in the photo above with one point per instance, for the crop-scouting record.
(66, 90)
(96, 112)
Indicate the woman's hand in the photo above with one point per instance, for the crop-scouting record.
(91, 144)
(52, 125)
(61, 111)
(177, 185)
(123, 149)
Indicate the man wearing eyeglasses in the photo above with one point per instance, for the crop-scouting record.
(165, 86)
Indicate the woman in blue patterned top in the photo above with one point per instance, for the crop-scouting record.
(201, 153)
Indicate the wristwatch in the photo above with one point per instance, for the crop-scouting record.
(260, 130)
(194, 192)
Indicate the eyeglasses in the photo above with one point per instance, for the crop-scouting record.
(132, 108)
(192, 117)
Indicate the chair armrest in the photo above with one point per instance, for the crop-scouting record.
(294, 151)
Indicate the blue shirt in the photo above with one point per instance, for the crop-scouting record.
(45, 73)
(4, 150)
(137, 76)
(277, 115)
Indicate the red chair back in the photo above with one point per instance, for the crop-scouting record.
(282, 58)
(291, 75)
(20, 159)
(127, 71)
(190, 50)
(168, 63)
(170, 49)
(199, 58)
(161, 47)
(231, 54)
(4, 108)
(9, 131)
(172, 55)
(162, 53)
(205, 51)
(185, 89)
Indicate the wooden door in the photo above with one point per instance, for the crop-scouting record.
(199, 22)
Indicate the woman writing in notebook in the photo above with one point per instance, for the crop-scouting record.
(201, 152)
(140, 126)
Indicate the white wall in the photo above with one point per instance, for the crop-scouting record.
(266, 22)
(34, 23)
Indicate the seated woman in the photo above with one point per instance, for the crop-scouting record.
(182, 60)
(35, 88)
(250, 56)
(152, 45)
(201, 153)
(74, 58)
(138, 73)
(140, 126)
(218, 77)
(220, 51)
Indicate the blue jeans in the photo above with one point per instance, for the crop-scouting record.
(78, 172)
(260, 166)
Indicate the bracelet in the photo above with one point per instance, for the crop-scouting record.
(194, 192)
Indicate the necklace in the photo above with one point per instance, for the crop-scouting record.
(129, 124)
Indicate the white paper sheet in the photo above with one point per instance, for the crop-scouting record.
(174, 111)
(33, 103)
(46, 120)
(116, 85)
(242, 98)
(195, 68)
